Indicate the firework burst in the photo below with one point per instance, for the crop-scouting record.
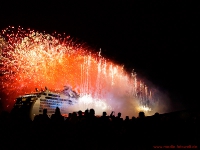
(31, 59)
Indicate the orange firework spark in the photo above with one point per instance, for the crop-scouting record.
(30, 59)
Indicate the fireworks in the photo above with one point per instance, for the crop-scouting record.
(30, 59)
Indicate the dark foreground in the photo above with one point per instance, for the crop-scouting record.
(167, 131)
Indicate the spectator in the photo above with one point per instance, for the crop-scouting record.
(57, 117)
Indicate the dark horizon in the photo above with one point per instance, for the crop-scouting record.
(159, 40)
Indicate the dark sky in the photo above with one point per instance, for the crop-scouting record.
(159, 39)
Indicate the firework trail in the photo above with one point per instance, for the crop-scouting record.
(30, 59)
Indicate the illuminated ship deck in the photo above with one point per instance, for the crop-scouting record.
(33, 104)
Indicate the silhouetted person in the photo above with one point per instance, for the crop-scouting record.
(156, 117)
(104, 114)
(45, 117)
(118, 120)
(92, 118)
(156, 114)
(86, 114)
(80, 113)
(92, 113)
(127, 118)
(57, 117)
(44, 112)
(127, 122)
(119, 115)
(69, 115)
(112, 115)
(36, 118)
(68, 118)
(74, 118)
(133, 119)
(85, 117)
(141, 122)
(141, 114)
(80, 116)
(42, 118)
(104, 118)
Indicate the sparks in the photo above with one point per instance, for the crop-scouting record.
(30, 59)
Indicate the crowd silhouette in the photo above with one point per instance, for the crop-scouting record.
(86, 130)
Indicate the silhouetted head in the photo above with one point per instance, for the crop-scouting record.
(119, 115)
(74, 114)
(57, 111)
(156, 116)
(133, 118)
(92, 112)
(141, 114)
(127, 118)
(44, 111)
(69, 115)
(79, 113)
(86, 112)
(104, 113)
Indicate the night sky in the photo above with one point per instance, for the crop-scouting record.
(158, 39)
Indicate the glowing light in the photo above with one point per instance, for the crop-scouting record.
(29, 59)
(87, 100)
(144, 108)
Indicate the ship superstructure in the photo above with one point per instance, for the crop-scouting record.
(33, 104)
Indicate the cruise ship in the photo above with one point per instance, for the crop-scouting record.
(32, 104)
